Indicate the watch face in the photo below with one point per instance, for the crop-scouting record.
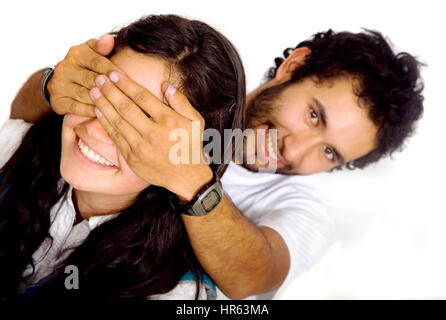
(211, 200)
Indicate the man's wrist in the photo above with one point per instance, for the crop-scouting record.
(188, 192)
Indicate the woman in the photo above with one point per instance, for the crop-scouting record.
(78, 203)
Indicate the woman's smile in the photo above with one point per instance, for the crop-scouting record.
(90, 157)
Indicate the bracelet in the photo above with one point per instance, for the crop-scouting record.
(46, 77)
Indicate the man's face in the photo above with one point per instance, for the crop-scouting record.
(319, 126)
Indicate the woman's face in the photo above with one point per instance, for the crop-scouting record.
(90, 161)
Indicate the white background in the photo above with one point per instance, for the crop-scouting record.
(391, 217)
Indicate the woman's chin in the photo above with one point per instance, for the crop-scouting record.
(103, 185)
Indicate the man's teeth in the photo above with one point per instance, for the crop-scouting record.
(93, 156)
(271, 150)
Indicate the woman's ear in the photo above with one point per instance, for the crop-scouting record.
(294, 61)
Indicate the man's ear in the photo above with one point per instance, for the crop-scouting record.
(294, 61)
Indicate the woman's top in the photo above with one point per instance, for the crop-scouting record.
(64, 236)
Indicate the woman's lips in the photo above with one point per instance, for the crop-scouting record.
(87, 161)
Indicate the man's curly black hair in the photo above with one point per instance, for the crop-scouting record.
(390, 84)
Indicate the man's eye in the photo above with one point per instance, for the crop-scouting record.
(329, 154)
(314, 117)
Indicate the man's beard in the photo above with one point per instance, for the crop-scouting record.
(262, 107)
(261, 111)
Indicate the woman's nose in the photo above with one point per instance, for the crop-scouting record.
(95, 130)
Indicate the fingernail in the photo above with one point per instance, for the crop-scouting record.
(170, 90)
(100, 80)
(98, 112)
(95, 93)
(114, 77)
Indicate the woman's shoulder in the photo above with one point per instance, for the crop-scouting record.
(11, 135)
(17, 125)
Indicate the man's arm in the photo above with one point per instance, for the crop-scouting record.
(29, 104)
(241, 258)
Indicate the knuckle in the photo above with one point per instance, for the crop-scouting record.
(74, 51)
(56, 88)
(170, 122)
(124, 107)
(114, 135)
(80, 92)
(60, 68)
(50, 87)
(153, 137)
(140, 97)
(95, 62)
(118, 123)
(88, 79)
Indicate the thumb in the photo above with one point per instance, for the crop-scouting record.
(104, 45)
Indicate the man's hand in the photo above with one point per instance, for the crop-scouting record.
(145, 142)
(69, 86)
(75, 75)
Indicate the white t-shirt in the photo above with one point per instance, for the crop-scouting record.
(290, 205)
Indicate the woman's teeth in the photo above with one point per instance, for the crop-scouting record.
(93, 156)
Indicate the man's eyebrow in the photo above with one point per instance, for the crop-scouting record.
(339, 156)
(323, 115)
(321, 110)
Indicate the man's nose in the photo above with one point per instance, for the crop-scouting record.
(296, 146)
(96, 131)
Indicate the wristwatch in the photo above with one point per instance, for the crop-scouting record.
(206, 199)
(46, 77)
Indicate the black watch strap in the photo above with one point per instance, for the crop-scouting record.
(206, 199)
(43, 84)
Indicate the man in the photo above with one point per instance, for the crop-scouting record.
(338, 99)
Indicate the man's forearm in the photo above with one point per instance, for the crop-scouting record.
(29, 104)
(232, 250)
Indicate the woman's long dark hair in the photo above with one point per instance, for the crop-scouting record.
(145, 250)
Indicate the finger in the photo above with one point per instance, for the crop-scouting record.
(93, 43)
(120, 142)
(121, 129)
(73, 106)
(142, 97)
(179, 102)
(86, 57)
(125, 106)
(70, 89)
(78, 75)
(104, 45)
